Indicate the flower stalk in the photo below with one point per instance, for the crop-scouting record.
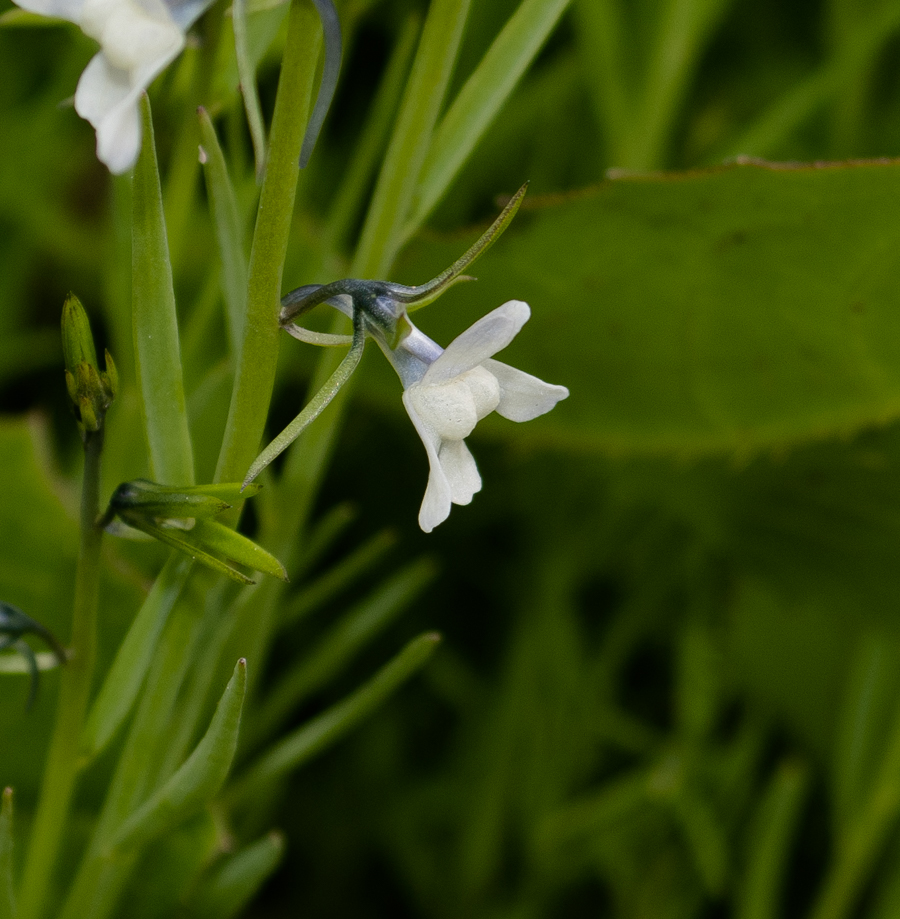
(91, 392)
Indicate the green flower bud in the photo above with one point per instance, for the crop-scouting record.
(178, 516)
(90, 390)
(78, 342)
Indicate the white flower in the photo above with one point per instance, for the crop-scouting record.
(446, 393)
(138, 39)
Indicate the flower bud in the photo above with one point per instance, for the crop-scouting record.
(90, 389)
(179, 516)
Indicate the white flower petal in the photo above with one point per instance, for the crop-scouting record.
(522, 396)
(437, 501)
(107, 97)
(61, 9)
(480, 341)
(460, 470)
(447, 408)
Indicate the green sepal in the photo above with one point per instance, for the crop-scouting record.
(180, 540)
(198, 780)
(237, 548)
(417, 297)
(163, 502)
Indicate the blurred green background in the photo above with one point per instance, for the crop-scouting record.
(669, 681)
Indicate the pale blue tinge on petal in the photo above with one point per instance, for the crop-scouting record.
(522, 396)
(482, 340)
(186, 12)
(59, 9)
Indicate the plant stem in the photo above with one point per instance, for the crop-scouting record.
(75, 686)
(255, 375)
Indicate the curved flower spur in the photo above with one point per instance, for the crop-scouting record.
(446, 392)
(14, 626)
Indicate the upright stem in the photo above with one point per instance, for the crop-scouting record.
(255, 375)
(75, 686)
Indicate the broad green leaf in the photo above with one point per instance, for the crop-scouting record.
(7, 890)
(232, 884)
(319, 733)
(198, 781)
(481, 99)
(738, 309)
(229, 231)
(126, 675)
(155, 324)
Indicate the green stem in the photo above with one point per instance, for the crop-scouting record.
(255, 375)
(75, 686)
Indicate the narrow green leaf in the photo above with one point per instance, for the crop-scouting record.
(248, 86)
(126, 675)
(198, 781)
(155, 324)
(862, 724)
(231, 885)
(7, 886)
(425, 91)
(181, 540)
(368, 149)
(236, 547)
(768, 857)
(803, 98)
(319, 733)
(339, 577)
(229, 231)
(315, 406)
(428, 293)
(862, 846)
(355, 630)
(480, 100)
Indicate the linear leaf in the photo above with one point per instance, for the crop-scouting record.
(233, 883)
(480, 100)
(229, 231)
(355, 630)
(7, 890)
(247, 75)
(155, 323)
(198, 781)
(319, 733)
(773, 828)
(126, 675)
